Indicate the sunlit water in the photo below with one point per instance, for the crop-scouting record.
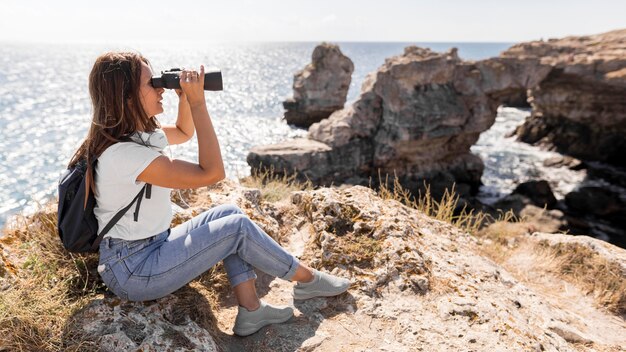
(45, 107)
(509, 162)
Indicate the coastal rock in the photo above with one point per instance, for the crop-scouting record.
(539, 193)
(579, 108)
(595, 200)
(416, 118)
(420, 112)
(320, 88)
(597, 210)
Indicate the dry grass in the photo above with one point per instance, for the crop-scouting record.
(444, 209)
(275, 186)
(571, 262)
(50, 285)
(583, 267)
(353, 250)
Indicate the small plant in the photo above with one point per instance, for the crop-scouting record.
(444, 209)
(274, 185)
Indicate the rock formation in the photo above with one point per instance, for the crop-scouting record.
(418, 284)
(580, 107)
(320, 88)
(420, 112)
(417, 117)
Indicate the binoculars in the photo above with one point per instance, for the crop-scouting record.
(170, 79)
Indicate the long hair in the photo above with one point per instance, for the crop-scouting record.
(114, 84)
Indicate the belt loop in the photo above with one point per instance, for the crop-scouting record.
(108, 243)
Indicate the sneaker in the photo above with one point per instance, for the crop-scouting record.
(323, 285)
(248, 322)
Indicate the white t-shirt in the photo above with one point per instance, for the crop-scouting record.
(116, 186)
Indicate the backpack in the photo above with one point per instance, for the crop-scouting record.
(77, 224)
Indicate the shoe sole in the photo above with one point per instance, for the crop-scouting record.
(318, 294)
(252, 328)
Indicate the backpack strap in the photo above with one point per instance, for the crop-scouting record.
(118, 216)
(148, 193)
(140, 195)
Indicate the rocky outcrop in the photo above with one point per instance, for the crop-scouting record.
(420, 112)
(320, 88)
(416, 118)
(579, 108)
(402, 264)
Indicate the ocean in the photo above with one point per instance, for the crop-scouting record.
(45, 110)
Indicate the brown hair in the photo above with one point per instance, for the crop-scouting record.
(114, 84)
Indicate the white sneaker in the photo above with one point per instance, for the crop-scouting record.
(323, 285)
(248, 322)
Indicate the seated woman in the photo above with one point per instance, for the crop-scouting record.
(141, 257)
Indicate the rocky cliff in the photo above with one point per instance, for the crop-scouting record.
(580, 107)
(418, 284)
(418, 115)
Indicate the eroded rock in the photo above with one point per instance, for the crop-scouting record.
(320, 88)
(579, 108)
(420, 112)
(416, 118)
(155, 325)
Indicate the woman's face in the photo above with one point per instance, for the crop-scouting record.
(149, 96)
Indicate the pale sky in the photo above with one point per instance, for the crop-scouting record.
(116, 21)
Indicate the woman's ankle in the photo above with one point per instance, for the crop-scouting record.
(303, 275)
(251, 306)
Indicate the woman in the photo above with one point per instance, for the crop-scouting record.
(141, 258)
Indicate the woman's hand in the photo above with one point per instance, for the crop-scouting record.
(192, 85)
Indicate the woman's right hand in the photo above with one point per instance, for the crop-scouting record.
(192, 84)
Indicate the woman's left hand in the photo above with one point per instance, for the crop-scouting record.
(180, 93)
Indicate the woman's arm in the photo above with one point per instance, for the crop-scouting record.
(184, 128)
(172, 173)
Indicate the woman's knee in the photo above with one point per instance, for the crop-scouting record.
(242, 223)
(227, 209)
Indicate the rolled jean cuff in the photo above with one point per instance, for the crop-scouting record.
(292, 270)
(243, 277)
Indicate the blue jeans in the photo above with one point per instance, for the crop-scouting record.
(156, 266)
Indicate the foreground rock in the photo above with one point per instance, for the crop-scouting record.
(418, 284)
(579, 108)
(320, 88)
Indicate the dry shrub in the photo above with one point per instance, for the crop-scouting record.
(274, 185)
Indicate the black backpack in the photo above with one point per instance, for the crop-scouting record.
(77, 224)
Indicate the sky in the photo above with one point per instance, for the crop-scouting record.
(116, 21)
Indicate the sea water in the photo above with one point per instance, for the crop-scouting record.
(45, 109)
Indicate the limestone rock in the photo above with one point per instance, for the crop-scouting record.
(320, 88)
(418, 115)
(579, 108)
(607, 251)
(155, 325)
(417, 284)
